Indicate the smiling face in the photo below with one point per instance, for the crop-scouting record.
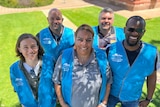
(55, 19)
(106, 20)
(134, 31)
(83, 43)
(83, 40)
(29, 49)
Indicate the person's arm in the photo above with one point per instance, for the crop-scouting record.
(57, 76)
(158, 61)
(151, 84)
(108, 87)
(59, 95)
(104, 102)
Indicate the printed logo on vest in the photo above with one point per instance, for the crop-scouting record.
(66, 67)
(117, 58)
(19, 82)
(47, 40)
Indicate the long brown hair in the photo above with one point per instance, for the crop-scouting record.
(26, 36)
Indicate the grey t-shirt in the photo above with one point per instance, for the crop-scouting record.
(86, 81)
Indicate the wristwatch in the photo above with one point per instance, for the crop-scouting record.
(147, 99)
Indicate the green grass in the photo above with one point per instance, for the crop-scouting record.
(156, 97)
(152, 32)
(89, 15)
(12, 25)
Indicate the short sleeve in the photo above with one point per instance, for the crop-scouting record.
(57, 75)
(158, 62)
(109, 75)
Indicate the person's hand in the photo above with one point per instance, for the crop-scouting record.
(102, 105)
(99, 105)
(143, 103)
(64, 105)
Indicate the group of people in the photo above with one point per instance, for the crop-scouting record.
(97, 66)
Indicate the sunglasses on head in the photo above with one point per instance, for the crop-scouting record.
(135, 30)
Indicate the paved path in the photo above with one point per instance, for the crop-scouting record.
(63, 4)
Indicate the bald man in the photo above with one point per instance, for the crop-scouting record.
(54, 39)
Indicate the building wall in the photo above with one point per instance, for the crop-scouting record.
(136, 4)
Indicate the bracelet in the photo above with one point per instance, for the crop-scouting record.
(103, 105)
(150, 100)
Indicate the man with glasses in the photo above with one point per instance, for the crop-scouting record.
(132, 61)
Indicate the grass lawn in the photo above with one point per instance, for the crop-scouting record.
(12, 25)
(89, 15)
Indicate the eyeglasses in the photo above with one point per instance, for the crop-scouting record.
(135, 30)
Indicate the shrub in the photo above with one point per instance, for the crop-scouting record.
(24, 3)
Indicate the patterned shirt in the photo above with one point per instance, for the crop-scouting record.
(86, 81)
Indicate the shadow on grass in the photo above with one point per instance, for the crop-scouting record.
(103, 3)
(155, 42)
(17, 105)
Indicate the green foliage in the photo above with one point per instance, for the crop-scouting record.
(24, 3)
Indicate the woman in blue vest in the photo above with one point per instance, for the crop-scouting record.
(82, 76)
(105, 33)
(31, 76)
(132, 62)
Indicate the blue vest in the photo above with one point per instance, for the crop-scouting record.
(119, 33)
(67, 67)
(47, 94)
(128, 80)
(51, 47)
(46, 97)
